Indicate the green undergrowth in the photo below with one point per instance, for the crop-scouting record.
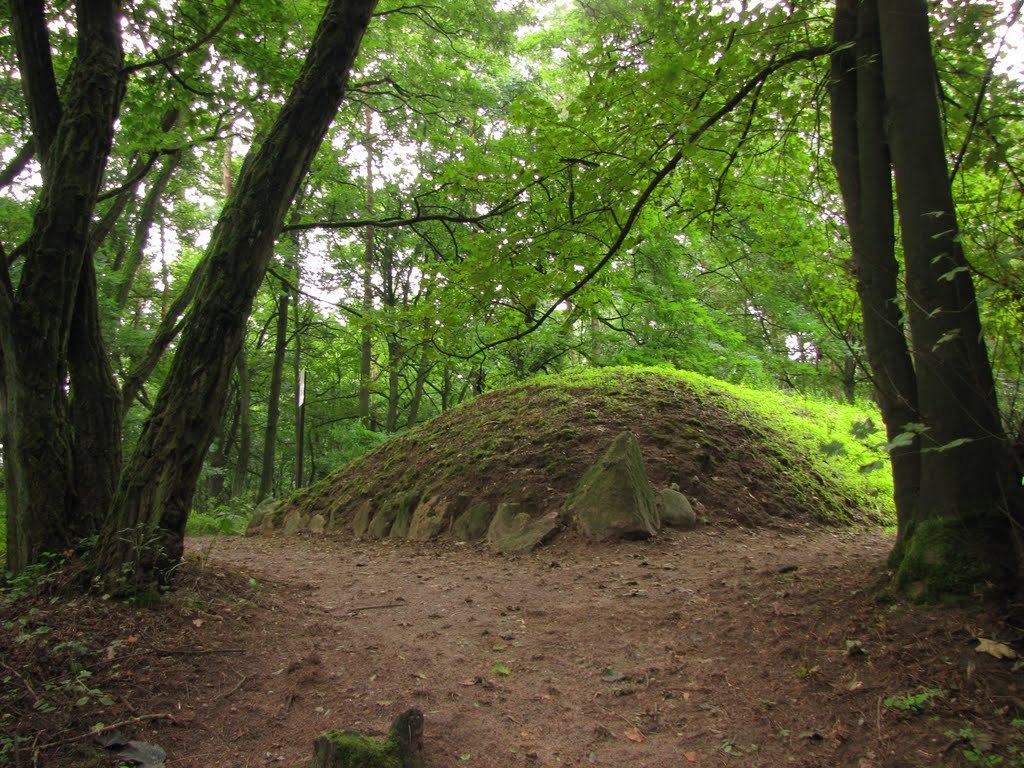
(731, 447)
(222, 520)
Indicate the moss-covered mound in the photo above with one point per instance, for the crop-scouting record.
(741, 456)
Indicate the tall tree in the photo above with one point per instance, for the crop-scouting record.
(53, 301)
(939, 398)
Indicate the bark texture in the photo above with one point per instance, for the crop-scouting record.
(37, 318)
(144, 536)
(861, 156)
(955, 490)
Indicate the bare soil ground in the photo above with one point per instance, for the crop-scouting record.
(721, 647)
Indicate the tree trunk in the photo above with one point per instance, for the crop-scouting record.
(147, 216)
(73, 142)
(861, 158)
(143, 539)
(95, 414)
(240, 476)
(266, 488)
(366, 338)
(960, 536)
(421, 380)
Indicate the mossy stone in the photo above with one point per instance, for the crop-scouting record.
(514, 530)
(472, 524)
(400, 528)
(361, 519)
(344, 749)
(614, 500)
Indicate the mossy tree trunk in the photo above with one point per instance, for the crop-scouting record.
(955, 490)
(54, 300)
(960, 536)
(143, 537)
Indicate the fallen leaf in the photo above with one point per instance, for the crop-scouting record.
(996, 649)
(198, 622)
(691, 757)
(633, 734)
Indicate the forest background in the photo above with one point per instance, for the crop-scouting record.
(506, 189)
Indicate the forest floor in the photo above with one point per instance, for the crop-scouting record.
(720, 647)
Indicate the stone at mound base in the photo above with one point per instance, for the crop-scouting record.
(316, 523)
(396, 509)
(614, 500)
(675, 510)
(472, 524)
(361, 518)
(292, 522)
(262, 520)
(514, 530)
(433, 515)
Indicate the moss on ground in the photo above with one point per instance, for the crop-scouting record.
(953, 560)
(343, 749)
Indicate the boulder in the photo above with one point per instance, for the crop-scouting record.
(614, 500)
(396, 508)
(675, 510)
(316, 524)
(472, 524)
(514, 530)
(262, 519)
(361, 519)
(435, 514)
(292, 522)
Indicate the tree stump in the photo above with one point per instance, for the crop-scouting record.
(401, 748)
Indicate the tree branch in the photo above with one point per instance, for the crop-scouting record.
(175, 55)
(641, 201)
(18, 163)
(38, 81)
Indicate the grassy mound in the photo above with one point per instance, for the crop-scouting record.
(741, 456)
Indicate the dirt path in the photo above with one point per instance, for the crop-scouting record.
(711, 649)
(722, 647)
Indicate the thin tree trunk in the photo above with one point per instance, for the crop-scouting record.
(274, 399)
(147, 216)
(422, 370)
(144, 537)
(240, 477)
(369, 257)
(299, 374)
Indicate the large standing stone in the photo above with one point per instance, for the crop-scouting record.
(614, 500)
(676, 510)
(514, 530)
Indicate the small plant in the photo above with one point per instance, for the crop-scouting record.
(979, 748)
(914, 703)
